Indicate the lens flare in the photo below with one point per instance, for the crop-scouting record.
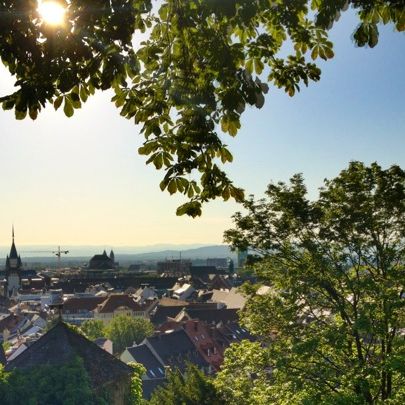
(52, 12)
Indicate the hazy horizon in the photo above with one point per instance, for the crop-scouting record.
(46, 250)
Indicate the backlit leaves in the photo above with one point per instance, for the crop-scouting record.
(200, 65)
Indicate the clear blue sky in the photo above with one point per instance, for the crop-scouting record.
(80, 180)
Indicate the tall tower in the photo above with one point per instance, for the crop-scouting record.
(13, 267)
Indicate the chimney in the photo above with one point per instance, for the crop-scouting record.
(167, 371)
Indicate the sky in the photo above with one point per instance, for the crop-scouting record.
(80, 181)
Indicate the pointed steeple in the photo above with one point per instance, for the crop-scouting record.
(13, 250)
(112, 256)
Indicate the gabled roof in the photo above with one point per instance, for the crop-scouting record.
(232, 298)
(212, 315)
(143, 355)
(75, 304)
(239, 333)
(176, 349)
(161, 314)
(61, 344)
(115, 301)
(171, 302)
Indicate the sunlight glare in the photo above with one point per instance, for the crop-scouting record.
(52, 12)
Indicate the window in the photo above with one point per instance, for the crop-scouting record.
(152, 373)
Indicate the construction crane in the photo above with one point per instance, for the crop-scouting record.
(58, 254)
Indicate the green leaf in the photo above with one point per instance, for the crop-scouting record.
(259, 66)
(57, 103)
(33, 112)
(68, 108)
(172, 186)
(83, 94)
(249, 66)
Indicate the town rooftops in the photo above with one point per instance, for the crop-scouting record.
(175, 349)
(61, 344)
(210, 315)
(76, 304)
(231, 298)
(115, 301)
(142, 354)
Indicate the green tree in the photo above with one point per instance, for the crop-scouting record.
(192, 388)
(124, 331)
(48, 385)
(93, 329)
(331, 323)
(201, 64)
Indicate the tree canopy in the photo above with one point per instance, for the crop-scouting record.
(48, 385)
(124, 331)
(333, 320)
(200, 63)
(192, 388)
(93, 328)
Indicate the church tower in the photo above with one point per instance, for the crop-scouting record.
(13, 267)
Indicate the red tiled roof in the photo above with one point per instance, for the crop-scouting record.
(82, 303)
(119, 300)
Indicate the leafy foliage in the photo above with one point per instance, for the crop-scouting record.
(244, 376)
(332, 321)
(93, 329)
(47, 385)
(201, 64)
(192, 388)
(124, 330)
(136, 396)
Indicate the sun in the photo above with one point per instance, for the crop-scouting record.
(52, 12)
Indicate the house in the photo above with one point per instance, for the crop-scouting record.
(184, 292)
(172, 349)
(232, 332)
(231, 298)
(175, 349)
(201, 335)
(142, 354)
(145, 293)
(170, 308)
(155, 374)
(118, 304)
(208, 315)
(76, 310)
(60, 345)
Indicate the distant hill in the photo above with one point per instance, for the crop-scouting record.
(79, 255)
(201, 253)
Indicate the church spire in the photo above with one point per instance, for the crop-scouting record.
(13, 250)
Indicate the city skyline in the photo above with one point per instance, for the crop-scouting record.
(81, 181)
